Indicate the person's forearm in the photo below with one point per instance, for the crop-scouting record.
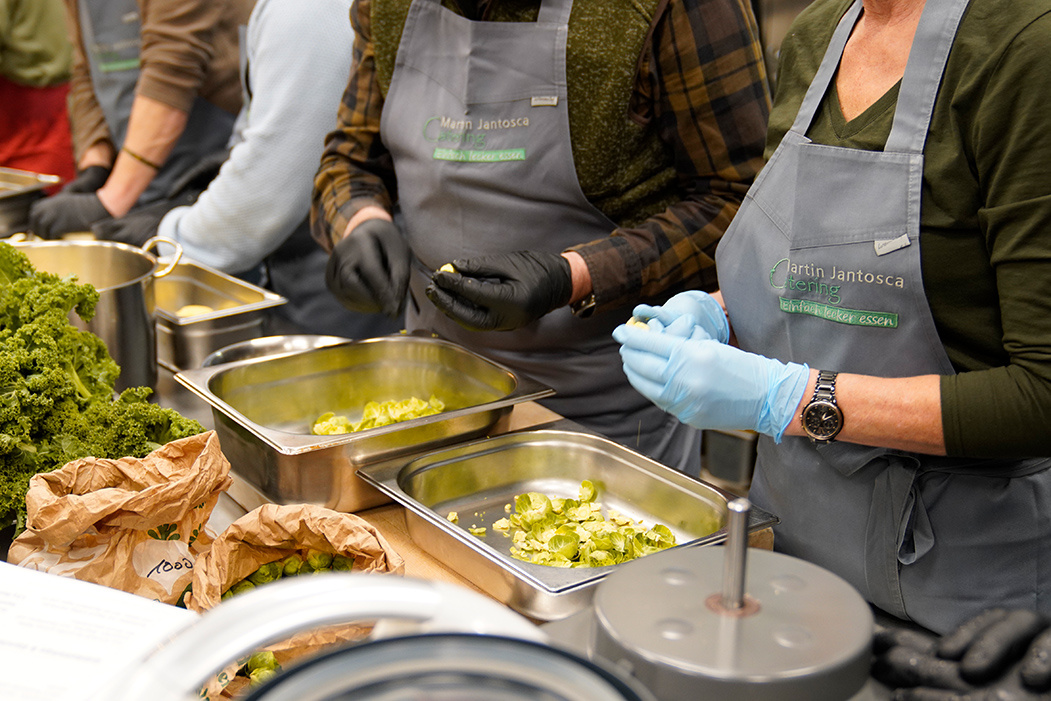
(579, 274)
(153, 129)
(101, 154)
(902, 413)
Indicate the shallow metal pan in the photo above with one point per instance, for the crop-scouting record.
(19, 189)
(477, 480)
(238, 313)
(263, 410)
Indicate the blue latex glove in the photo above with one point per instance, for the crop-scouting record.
(708, 384)
(692, 314)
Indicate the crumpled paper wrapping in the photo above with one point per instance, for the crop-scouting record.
(135, 524)
(271, 533)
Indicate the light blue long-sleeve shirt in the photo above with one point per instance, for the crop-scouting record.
(299, 59)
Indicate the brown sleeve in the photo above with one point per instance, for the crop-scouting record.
(88, 124)
(189, 48)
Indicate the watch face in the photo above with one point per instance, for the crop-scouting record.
(822, 420)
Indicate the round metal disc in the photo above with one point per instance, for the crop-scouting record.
(802, 634)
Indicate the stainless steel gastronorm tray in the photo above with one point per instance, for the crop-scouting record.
(264, 407)
(478, 479)
(18, 190)
(239, 308)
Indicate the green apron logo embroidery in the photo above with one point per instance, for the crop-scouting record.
(810, 278)
(853, 317)
(452, 154)
(118, 65)
(467, 139)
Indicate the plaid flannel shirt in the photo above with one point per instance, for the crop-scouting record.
(704, 85)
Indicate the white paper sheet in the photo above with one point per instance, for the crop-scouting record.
(61, 639)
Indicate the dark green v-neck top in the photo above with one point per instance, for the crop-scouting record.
(985, 222)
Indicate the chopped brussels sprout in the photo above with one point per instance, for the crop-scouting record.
(566, 532)
(376, 414)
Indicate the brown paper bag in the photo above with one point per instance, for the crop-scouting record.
(271, 533)
(135, 524)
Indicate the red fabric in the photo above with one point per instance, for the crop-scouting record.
(34, 130)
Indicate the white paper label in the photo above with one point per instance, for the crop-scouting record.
(543, 101)
(890, 245)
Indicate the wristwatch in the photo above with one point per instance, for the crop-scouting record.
(822, 418)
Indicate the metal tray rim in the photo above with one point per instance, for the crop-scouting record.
(269, 299)
(39, 181)
(287, 443)
(384, 478)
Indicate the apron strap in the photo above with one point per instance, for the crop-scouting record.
(829, 65)
(923, 74)
(555, 11)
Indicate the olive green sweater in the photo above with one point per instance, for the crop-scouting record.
(985, 222)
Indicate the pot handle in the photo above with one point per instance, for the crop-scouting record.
(175, 256)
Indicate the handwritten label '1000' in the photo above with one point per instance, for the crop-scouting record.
(165, 562)
(165, 567)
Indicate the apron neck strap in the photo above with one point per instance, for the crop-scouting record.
(829, 64)
(923, 74)
(919, 86)
(551, 11)
(555, 11)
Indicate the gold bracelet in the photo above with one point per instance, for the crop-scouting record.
(140, 159)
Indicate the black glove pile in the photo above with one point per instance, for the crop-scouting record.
(999, 655)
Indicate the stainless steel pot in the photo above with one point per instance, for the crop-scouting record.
(123, 275)
(432, 640)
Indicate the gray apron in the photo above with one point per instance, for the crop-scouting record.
(822, 265)
(111, 32)
(477, 122)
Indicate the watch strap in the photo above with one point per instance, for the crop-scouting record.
(825, 386)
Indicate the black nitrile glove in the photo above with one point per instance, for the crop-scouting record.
(140, 224)
(998, 655)
(992, 641)
(64, 212)
(905, 667)
(368, 270)
(502, 292)
(88, 180)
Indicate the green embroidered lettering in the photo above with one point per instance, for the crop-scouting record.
(466, 156)
(852, 317)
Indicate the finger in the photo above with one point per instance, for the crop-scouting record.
(1035, 669)
(1001, 644)
(953, 645)
(459, 311)
(646, 387)
(645, 311)
(645, 340)
(651, 367)
(886, 638)
(481, 267)
(686, 327)
(905, 667)
(926, 694)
